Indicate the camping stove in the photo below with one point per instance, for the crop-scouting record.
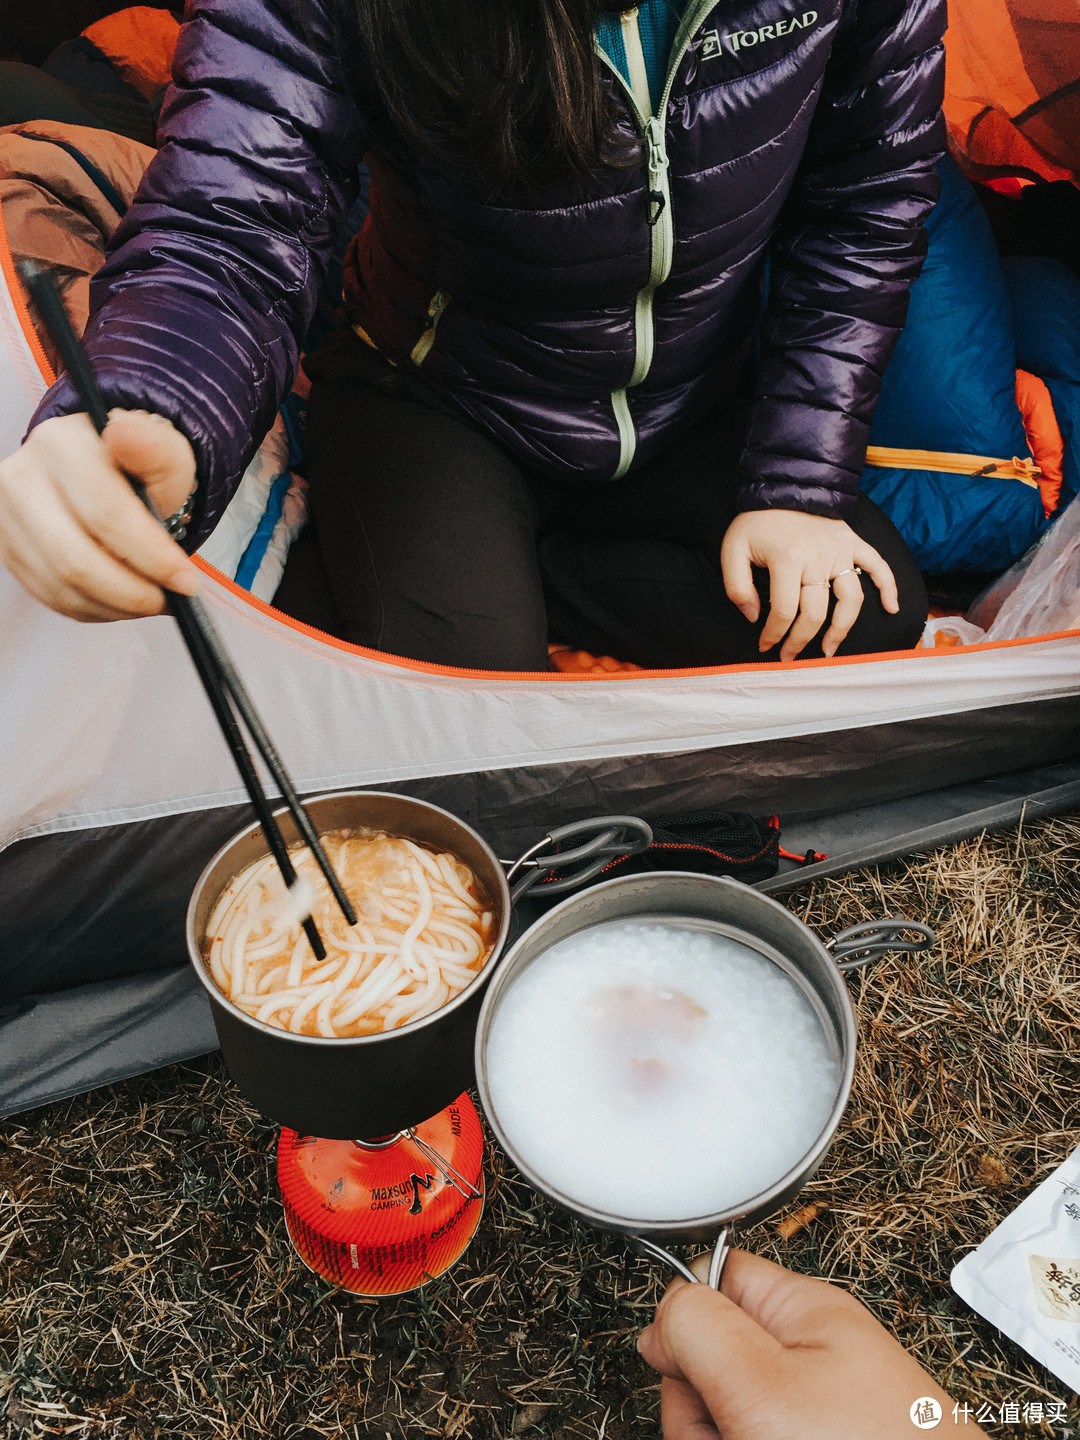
(381, 1217)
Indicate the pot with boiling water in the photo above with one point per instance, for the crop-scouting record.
(666, 1055)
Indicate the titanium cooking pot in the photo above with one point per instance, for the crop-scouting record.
(728, 908)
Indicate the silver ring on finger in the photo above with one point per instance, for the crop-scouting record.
(813, 584)
(854, 570)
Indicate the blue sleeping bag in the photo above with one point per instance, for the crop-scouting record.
(950, 386)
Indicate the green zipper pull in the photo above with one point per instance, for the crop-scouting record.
(657, 161)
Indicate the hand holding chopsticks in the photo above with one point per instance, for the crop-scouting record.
(225, 691)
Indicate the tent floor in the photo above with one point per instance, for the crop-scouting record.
(53, 1046)
(877, 833)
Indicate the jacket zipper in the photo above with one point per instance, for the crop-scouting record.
(661, 221)
(419, 352)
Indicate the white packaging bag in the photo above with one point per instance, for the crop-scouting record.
(955, 631)
(1025, 1277)
(1040, 594)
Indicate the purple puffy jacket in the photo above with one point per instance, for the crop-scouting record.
(579, 324)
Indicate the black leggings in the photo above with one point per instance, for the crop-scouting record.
(439, 546)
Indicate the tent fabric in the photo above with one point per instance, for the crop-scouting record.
(140, 43)
(344, 717)
(88, 902)
(58, 1045)
(1012, 88)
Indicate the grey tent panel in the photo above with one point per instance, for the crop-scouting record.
(800, 778)
(54, 1046)
(877, 833)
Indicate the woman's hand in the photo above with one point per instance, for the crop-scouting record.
(779, 1356)
(808, 558)
(75, 534)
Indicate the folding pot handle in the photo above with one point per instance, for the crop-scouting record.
(717, 1260)
(859, 944)
(609, 836)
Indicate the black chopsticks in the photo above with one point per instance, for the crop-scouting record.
(223, 686)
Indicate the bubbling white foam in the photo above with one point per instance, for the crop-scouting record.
(659, 1071)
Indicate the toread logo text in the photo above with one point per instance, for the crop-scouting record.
(743, 39)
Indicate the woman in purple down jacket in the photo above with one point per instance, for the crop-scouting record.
(616, 323)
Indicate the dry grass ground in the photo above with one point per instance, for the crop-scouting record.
(148, 1288)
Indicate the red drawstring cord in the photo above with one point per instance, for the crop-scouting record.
(810, 858)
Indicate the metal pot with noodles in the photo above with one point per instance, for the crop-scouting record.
(378, 1035)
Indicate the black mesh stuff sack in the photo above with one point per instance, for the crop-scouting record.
(706, 842)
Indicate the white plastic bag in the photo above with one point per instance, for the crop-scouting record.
(1040, 594)
(1025, 1277)
(953, 631)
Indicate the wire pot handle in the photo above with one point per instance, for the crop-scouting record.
(717, 1261)
(860, 944)
(609, 836)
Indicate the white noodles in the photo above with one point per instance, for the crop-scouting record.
(424, 931)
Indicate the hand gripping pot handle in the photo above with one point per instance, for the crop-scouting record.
(608, 837)
(717, 1260)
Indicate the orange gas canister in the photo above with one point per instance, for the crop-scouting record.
(380, 1217)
